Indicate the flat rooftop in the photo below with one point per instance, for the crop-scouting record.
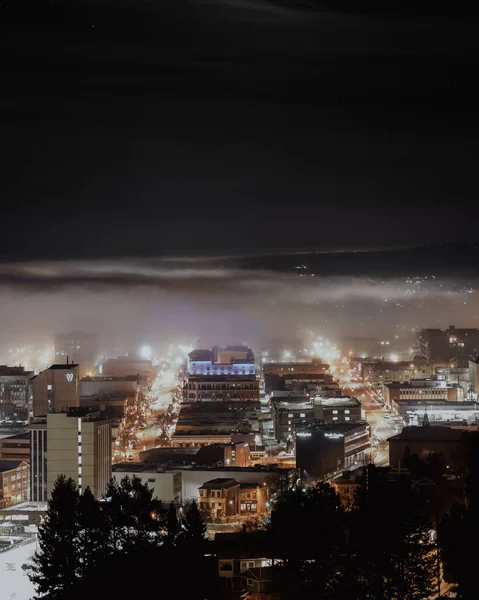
(340, 402)
(27, 506)
(294, 405)
(421, 384)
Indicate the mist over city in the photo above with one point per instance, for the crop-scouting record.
(239, 313)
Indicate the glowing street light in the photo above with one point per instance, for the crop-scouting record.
(146, 352)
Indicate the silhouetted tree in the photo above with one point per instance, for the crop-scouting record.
(56, 566)
(172, 525)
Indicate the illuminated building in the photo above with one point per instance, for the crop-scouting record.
(323, 448)
(198, 388)
(315, 367)
(14, 385)
(382, 371)
(55, 389)
(422, 389)
(219, 497)
(414, 412)
(14, 482)
(229, 361)
(440, 346)
(293, 412)
(77, 347)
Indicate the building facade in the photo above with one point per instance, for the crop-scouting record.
(15, 447)
(438, 345)
(315, 367)
(55, 389)
(14, 385)
(218, 497)
(166, 485)
(323, 449)
(221, 388)
(232, 360)
(382, 371)
(422, 389)
(14, 482)
(38, 460)
(79, 446)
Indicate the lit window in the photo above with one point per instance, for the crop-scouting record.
(290, 415)
(346, 418)
(335, 418)
(289, 428)
(302, 415)
(335, 412)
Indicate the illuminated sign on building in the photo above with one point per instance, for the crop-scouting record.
(69, 376)
(303, 434)
(333, 436)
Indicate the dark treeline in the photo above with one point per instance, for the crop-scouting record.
(388, 544)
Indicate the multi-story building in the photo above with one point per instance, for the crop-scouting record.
(315, 367)
(427, 440)
(323, 448)
(76, 444)
(14, 385)
(383, 371)
(417, 412)
(14, 482)
(290, 414)
(437, 345)
(224, 388)
(38, 460)
(422, 389)
(219, 497)
(79, 348)
(79, 446)
(55, 389)
(15, 447)
(232, 360)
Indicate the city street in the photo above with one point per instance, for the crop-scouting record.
(382, 421)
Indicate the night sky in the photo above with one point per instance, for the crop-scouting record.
(176, 128)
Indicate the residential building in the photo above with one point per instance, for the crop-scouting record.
(422, 389)
(55, 389)
(79, 446)
(14, 385)
(77, 347)
(252, 499)
(122, 366)
(15, 447)
(219, 497)
(323, 449)
(386, 371)
(238, 552)
(14, 482)
(440, 346)
(166, 485)
(259, 583)
(427, 440)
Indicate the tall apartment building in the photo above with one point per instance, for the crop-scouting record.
(77, 347)
(437, 345)
(55, 389)
(14, 385)
(76, 444)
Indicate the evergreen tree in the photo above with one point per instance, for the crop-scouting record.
(194, 525)
(93, 534)
(391, 551)
(56, 566)
(172, 525)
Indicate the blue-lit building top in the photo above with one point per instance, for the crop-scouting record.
(232, 360)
